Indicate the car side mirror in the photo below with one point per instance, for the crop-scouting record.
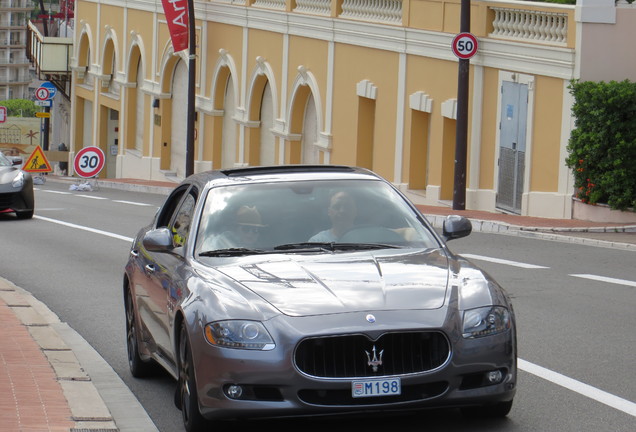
(16, 160)
(158, 240)
(456, 227)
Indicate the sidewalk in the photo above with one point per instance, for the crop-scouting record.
(52, 380)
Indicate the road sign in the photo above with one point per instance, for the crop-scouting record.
(37, 162)
(464, 45)
(42, 94)
(44, 103)
(89, 161)
(43, 114)
(3, 114)
(46, 91)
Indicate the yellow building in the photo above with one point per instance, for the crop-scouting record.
(371, 83)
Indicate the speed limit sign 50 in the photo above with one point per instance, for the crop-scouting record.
(88, 162)
(464, 45)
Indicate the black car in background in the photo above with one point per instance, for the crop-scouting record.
(16, 188)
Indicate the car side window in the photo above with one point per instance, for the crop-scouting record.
(183, 221)
(166, 213)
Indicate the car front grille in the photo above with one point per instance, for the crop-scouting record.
(352, 356)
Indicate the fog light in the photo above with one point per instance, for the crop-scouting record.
(494, 377)
(234, 391)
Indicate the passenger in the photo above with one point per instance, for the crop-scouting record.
(244, 233)
(342, 212)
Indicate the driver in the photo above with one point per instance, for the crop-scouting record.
(342, 212)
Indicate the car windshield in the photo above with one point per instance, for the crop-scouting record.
(308, 217)
(4, 161)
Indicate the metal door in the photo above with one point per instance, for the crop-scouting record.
(512, 146)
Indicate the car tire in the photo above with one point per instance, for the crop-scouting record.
(139, 368)
(27, 214)
(193, 421)
(497, 410)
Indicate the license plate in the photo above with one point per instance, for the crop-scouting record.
(376, 387)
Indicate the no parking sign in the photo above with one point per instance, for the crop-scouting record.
(89, 161)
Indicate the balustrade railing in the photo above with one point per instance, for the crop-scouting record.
(270, 4)
(530, 25)
(384, 11)
(511, 20)
(314, 7)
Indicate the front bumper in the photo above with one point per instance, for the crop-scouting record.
(273, 387)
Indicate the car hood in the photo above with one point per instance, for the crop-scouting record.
(301, 285)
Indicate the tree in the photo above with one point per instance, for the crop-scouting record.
(20, 107)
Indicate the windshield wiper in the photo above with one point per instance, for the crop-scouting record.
(231, 252)
(363, 246)
(317, 247)
(305, 247)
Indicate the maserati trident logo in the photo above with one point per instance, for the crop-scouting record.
(374, 360)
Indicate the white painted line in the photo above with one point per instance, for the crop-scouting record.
(503, 261)
(606, 279)
(92, 197)
(93, 230)
(133, 203)
(579, 387)
(55, 192)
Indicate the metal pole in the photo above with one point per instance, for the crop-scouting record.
(47, 126)
(191, 95)
(461, 146)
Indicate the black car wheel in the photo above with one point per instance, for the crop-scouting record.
(187, 388)
(138, 367)
(498, 410)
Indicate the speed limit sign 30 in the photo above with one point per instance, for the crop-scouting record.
(88, 162)
(464, 45)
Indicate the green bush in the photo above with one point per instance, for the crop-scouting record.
(20, 107)
(602, 147)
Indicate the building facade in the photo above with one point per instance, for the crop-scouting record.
(371, 83)
(15, 75)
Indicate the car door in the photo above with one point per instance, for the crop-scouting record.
(164, 274)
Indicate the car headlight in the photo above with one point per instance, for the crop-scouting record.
(485, 321)
(239, 334)
(18, 180)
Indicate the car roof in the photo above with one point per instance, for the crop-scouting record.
(279, 173)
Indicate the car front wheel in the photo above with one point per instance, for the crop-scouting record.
(187, 387)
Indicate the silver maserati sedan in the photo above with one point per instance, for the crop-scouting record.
(311, 290)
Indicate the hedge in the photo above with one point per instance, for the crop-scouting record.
(602, 147)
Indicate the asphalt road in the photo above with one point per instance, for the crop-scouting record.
(575, 309)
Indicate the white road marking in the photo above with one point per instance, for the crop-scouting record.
(92, 197)
(80, 227)
(606, 279)
(133, 203)
(571, 384)
(579, 387)
(503, 261)
(55, 192)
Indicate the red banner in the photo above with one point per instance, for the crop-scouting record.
(177, 16)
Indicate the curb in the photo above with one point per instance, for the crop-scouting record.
(88, 410)
(92, 389)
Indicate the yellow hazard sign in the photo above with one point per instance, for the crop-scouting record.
(37, 162)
